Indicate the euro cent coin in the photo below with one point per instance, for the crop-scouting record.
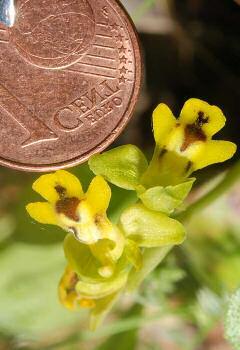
(70, 73)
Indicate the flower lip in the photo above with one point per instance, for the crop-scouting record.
(61, 191)
(193, 132)
(201, 120)
(68, 207)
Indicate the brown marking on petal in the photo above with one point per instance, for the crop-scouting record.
(68, 207)
(201, 120)
(188, 166)
(162, 152)
(61, 191)
(98, 219)
(193, 132)
(73, 280)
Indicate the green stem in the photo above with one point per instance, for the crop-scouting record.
(151, 259)
(232, 176)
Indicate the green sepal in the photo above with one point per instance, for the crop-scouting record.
(151, 229)
(165, 169)
(166, 199)
(122, 166)
(81, 259)
(133, 253)
(102, 289)
(102, 252)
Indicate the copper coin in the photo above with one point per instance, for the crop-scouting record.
(70, 73)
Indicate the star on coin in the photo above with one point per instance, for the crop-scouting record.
(122, 49)
(123, 59)
(119, 37)
(123, 70)
(122, 80)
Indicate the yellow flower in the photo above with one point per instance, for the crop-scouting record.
(67, 292)
(98, 297)
(82, 214)
(185, 145)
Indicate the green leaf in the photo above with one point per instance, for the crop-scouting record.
(122, 166)
(232, 322)
(28, 291)
(166, 199)
(151, 229)
(102, 289)
(81, 259)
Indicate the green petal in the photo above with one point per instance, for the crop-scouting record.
(80, 258)
(151, 229)
(123, 166)
(100, 311)
(102, 289)
(166, 199)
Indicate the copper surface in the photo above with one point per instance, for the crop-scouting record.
(70, 74)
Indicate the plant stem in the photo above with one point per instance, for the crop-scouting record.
(151, 259)
(232, 176)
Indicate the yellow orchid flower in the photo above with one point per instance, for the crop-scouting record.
(67, 292)
(82, 214)
(97, 297)
(185, 145)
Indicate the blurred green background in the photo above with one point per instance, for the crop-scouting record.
(191, 48)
